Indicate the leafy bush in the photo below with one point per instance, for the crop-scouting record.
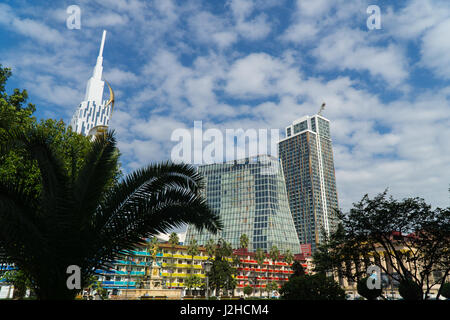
(312, 287)
(445, 290)
(363, 290)
(409, 290)
(248, 290)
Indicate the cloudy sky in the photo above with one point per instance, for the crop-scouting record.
(254, 64)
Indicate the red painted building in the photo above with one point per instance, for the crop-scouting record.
(249, 272)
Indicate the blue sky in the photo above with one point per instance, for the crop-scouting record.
(254, 64)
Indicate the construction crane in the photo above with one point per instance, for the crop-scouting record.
(321, 109)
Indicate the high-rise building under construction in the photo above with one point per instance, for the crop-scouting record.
(307, 160)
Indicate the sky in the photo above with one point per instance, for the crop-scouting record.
(254, 64)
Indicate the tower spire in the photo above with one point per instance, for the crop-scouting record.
(94, 89)
(100, 53)
(99, 66)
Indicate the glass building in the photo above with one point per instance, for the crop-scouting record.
(307, 160)
(250, 196)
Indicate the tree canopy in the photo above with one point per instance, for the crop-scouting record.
(406, 239)
(69, 208)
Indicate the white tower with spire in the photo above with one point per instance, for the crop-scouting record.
(93, 113)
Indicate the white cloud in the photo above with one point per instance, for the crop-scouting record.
(256, 75)
(120, 77)
(426, 23)
(436, 48)
(348, 49)
(184, 63)
(209, 28)
(414, 18)
(28, 27)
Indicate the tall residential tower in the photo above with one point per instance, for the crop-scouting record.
(307, 159)
(93, 113)
(250, 197)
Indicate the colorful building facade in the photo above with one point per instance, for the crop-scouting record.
(141, 270)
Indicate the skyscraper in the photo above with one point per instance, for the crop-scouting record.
(93, 113)
(307, 160)
(250, 196)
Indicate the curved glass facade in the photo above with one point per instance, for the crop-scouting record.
(250, 196)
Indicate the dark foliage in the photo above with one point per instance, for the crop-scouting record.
(79, 218)
(312, 287)
(364, 291)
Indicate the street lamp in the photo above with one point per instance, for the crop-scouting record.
(207, 267)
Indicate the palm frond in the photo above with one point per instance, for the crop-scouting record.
(144, 182)
(97, 171)
(20, 230)
(167, 203)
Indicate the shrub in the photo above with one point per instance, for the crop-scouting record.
(248, 290)
(363, 290)
(409, 290)
(312, 287)
(445, 290)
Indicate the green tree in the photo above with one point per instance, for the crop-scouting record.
(410, 290)
(248, 290)
(407, 235)
(210, 248)
(236, 260)
(193, 250)
(15, 165)
(298, 269)
(96, 286)
(364, 291)
(222, 271)
(260, 256)
(312, 287)
(274, 255)
(173, 242)
(288, 257)
(445, 290)
(244, 241)
(192, 281)
(230, 285)
(79, 218)
(19, 280)
(271, 286)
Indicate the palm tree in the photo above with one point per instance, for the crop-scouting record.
(244, 241)
(192, 281)
(193, 250)
(260, 257)
(173, 241)
(288, 257)
(274, 255)
(81, 218)
(210, 248)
